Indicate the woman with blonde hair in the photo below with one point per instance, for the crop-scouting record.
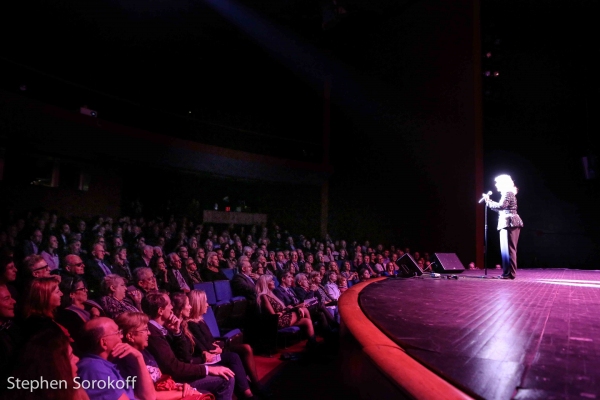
(509, 223)
(201, 344)
(268, 303)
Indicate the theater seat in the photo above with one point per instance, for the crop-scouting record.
(239, 304)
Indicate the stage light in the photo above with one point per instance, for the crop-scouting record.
(487, 73)
(488, 54)
(86, 111)
(496, 74)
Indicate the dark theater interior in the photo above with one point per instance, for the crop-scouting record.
(310, 126)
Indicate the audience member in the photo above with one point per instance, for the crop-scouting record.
(96, 269)
(10, 334)
(211, 271)
(187, 351)
(177, 279)
(268, 303)
(103, 349)
(50, 253)
(134, 327)
(166, 335)
(114, 293)
(46, 355)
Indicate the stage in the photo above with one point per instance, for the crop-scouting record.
(533, 337)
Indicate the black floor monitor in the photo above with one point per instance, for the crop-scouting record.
(408, 266)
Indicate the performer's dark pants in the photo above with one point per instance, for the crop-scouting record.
(509, 237)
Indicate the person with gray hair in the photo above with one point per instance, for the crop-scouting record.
(115, 292)
(509, 223)
(101, 340)
(177, 279)
(211, 271)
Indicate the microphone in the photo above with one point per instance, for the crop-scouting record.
(488, 193)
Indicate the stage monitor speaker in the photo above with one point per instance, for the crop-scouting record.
(447, 263)
(408, 266)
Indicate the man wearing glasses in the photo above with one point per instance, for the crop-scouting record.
(35, 267)
(97, 370)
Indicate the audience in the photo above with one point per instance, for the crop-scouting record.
(101, 341)
(166, 335)
(169, 342)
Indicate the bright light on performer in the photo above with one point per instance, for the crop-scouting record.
(509, 223)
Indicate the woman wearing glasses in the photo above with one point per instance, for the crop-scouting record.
(134, 327)
(73, 313)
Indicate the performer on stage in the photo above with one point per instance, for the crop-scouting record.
(509, 224)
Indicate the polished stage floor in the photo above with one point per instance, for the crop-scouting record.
(535, 337)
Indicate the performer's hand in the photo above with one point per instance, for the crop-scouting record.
(486, 197)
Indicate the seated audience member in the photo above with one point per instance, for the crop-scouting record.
(268, 303)
(186, 352)
(244, 282)
(8, 272)
(134, 326)
(342, 284)
(332, 266)
(286, 294)
(115, 292)
(183, 252)
(207, 344)
(74, 246)
(120, 264)
(73, 266)
(367, 265)
(390, 270)
(176, 280)
(211, 271)
(231, 259)
(318, 311)
(331, 287)
(324, 299)
(146, 254)
(103, 349)
(34, 266)
(379, 264)
(50, 253)
(41, 302)
(158, 265)
(427, 266)
(10, 334)
(73, 313)
(192, 270)
(364, 274)
(144, 280)
(259, 267)
(31, 246)
(158, 251)
(96, 269)
(46, 354)
(166, 335)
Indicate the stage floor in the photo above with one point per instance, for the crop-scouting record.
(535, 337)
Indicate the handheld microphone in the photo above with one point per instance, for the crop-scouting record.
(482, 198)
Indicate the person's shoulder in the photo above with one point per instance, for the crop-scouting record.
(91, 364)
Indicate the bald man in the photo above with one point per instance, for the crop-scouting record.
(101, 342)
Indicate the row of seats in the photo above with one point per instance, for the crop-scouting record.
(229, 310)
(227, 314)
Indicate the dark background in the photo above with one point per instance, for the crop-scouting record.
(156, 64)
